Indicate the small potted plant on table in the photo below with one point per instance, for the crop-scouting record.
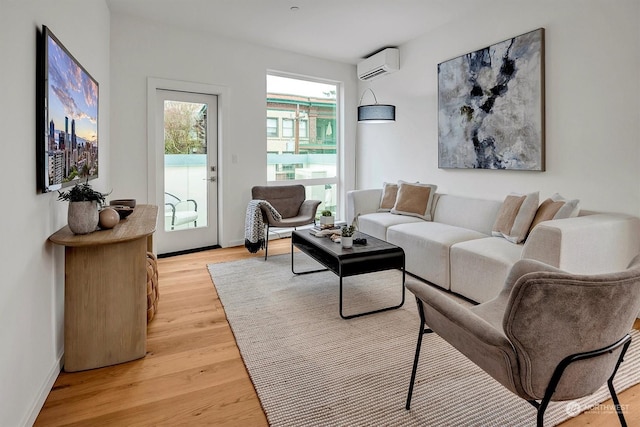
(347, 236)
(82, 216)
(327, 219)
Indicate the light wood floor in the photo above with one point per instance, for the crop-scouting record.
(193, 373)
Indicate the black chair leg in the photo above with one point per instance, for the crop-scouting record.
(557, 374)
(612, 390)
(616, 402)
(540, 417)
(417, 355)
(266, 243)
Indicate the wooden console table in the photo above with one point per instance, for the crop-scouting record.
(105, 314)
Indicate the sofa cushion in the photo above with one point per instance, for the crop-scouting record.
(414, 199)
(515, 216)
(376, 224)
(480, 267)
(466, 212)
(426, 247)
(388, 199)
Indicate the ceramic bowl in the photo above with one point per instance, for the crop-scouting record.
(123, 211)
(124, 202)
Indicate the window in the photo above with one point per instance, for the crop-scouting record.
(306, 152)
(304, 133)
(287, 128)
(272, 127)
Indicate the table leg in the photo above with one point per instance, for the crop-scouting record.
(351, 316)
(302, 272)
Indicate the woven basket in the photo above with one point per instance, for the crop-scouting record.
(152, 286)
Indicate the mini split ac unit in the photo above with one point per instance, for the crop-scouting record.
(384, 62)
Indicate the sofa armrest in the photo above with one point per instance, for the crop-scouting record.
(589, 244)
(362, 202)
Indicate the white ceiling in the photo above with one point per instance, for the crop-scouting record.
(340, 30)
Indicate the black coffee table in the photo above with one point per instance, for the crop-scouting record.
(376, 255)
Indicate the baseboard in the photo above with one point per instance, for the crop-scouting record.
(43, 393)
(188, 251)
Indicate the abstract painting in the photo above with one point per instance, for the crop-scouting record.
(491, 106)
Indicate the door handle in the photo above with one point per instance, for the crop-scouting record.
(213, 179)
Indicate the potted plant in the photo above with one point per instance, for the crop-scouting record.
(82, 216)
(347, 236)
(327, 219)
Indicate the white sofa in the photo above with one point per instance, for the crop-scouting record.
(456, 251)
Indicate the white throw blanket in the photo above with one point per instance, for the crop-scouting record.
(254, 237)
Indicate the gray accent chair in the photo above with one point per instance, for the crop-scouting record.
(544, 320)
(289, 201)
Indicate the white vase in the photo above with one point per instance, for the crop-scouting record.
(82, 217)
(347, 242)
(327, 222)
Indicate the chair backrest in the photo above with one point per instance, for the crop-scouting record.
(287, 199)
(170, 198)
(551, 315)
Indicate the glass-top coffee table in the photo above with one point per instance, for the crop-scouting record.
(376, 255)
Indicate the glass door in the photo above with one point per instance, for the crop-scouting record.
(186, 165)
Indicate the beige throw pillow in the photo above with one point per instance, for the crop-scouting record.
(547, 210)
(414, 199)
(571, 208)
(515, 216)
(555, 207)
(389, 193)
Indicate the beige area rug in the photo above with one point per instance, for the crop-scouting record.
(312, 368)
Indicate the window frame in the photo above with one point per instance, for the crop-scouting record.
(286, 128)
(304, 134)
(336, 180)
(277, 127)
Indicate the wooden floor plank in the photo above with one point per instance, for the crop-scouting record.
(193, 373)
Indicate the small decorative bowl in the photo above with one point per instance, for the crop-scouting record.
(123, 211)
(124, 202)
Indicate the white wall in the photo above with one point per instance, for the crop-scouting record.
(31, 268)
(141, 49)
(592, 105)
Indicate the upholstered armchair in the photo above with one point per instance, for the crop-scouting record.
(544, 320)
(289, 201)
